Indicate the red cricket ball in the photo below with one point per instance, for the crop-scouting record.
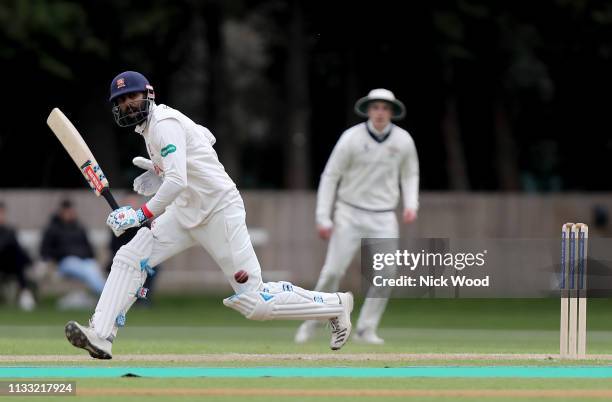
(241, 276)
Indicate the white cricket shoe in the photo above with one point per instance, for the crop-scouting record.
(26, 300)
(341, 325)
(86, 338)
(305, 332)
(368, 336)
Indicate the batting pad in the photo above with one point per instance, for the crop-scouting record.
(127, 276)
(284, 301)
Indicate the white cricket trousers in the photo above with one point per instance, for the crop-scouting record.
(224, 236)
(350, 226)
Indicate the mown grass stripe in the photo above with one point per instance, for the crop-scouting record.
(292, 372)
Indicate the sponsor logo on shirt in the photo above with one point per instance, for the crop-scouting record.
(393, 150)
(168, 149)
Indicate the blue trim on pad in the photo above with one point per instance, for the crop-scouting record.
(289, 372)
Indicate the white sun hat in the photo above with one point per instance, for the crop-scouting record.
(380, 94)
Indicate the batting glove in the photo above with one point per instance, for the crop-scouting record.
(124, 218)
(149, 182)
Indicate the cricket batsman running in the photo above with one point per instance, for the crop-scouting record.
(194, 202)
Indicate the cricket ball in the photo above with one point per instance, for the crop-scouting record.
(241, 276)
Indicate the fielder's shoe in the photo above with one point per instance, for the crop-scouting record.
(341, 325)
(305, 332)
(26, 300)
(86, 338)
(368, 336)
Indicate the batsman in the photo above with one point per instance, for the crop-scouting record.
(194, 202)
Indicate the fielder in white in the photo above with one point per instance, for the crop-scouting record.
(195, 203)
(370, 165)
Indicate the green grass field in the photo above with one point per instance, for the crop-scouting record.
(201, 332)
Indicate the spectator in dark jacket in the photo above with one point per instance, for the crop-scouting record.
(65, 242)
(14, 261)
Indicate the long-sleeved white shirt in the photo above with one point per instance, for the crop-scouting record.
(195, 183)
(368, 171)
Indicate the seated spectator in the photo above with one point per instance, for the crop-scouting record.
(65, 242)
(14, 261)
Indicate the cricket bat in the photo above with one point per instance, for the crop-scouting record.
(78, 150)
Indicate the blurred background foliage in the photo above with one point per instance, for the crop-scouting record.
(501, 96)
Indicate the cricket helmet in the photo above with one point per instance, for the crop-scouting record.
(130, 82)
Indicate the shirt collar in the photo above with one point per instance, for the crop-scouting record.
(382, 133)
(140, 128)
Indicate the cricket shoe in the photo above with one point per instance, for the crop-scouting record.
(341, 325)
(368, 336)
(86, 338)
(305, 332)
(26, 300)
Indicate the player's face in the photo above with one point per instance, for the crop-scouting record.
(380, 113)
(131, 108)
(130, 103)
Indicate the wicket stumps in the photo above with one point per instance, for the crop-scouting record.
(573, 286)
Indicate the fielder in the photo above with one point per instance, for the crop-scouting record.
(194, 202)
(370, 165)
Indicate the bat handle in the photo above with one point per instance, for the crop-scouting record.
(108, 196)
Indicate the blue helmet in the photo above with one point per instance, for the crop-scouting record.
(126, 82)
(130, 82)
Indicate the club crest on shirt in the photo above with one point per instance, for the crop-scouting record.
(393, 150)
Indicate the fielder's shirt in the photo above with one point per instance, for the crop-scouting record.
(195, 184)
(368, 169)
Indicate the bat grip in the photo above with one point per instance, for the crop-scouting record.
(108, 196)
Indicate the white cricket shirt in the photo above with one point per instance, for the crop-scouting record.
(368, 171)
(195, 184)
